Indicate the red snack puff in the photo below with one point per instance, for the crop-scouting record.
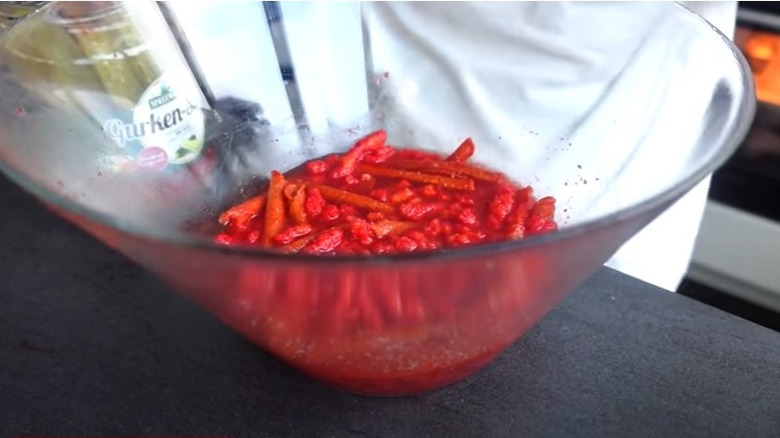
(371, 142)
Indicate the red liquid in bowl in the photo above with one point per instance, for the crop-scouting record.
(379, 332)
(375, 330)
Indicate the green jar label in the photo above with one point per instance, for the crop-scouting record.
(168, 119)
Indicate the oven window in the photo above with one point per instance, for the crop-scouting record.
(750, 180)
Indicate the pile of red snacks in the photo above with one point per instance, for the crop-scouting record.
(379, 199)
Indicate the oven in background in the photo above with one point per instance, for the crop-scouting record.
(736, 262)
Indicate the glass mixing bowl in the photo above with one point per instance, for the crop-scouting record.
(140, 123)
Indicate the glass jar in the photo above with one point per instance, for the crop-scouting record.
(123, 67)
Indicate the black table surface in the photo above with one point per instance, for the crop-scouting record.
(91, 344)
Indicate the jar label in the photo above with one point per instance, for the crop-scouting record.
(168, 118)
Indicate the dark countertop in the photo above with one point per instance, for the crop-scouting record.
(91, 344)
